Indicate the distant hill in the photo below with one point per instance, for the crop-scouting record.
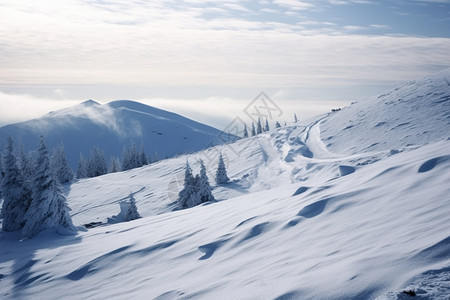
(111, 127)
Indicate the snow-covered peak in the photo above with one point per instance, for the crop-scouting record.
(111, 127)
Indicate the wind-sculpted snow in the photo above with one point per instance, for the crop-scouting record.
(415, 113)
(367, 222)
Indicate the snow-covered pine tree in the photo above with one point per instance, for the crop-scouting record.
(143, 156)
(16, 196)
(259, 128)
(245, 135)
(266, 127)
(194, 198)
(25, 163)
(134, 157)
(295, 118)
(132, 212)
(48, 209)
(277, 124)
(203, 185)
(60, 166)
(187, 195)
(253, 129)
(114, 165)
(221, 174)
(126, 160)
(96, 165)
(82, 167)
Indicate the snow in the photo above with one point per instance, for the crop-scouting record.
(112, 126)
(312, 211)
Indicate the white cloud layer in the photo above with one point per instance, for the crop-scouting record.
(202, 43)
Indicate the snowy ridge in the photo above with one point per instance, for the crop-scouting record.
(300, 219)
(111, 127)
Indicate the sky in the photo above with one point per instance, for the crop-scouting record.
(209, 59)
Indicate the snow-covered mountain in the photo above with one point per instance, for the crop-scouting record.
(337, 207)
(111, 127)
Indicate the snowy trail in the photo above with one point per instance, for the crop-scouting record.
(315, 143)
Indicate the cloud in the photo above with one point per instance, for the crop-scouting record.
(294, 4)
(200, 44)
(19, 107)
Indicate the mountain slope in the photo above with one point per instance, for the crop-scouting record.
(299, 220)
(419, 109)
(113, 126)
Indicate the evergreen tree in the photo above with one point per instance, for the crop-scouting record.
(82, 167)
(195, 198)
(266, 127)
(131, 158)
(277, 124)
(48, 209)
(16, 196)
(134, 157)
(126, 160)
(96, 165)
(132, 212)
(187, 196)
(245, 131)
(143, 156)
(114, 165)
(203, 185)
(60, 166)
(295, 118)
(253, 129)
(221, 174)
(25, 163)
(259, 126)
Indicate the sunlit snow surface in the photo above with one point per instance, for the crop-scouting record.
(338, 207)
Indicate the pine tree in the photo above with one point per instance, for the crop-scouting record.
(60, 166)
(295, 118)
(259, 126)
(48, 209)
(132, 212)
(82, 167)
(245, 131)
(25, 163)
(114, 165)
(131, 158)
(134, 157)
(194, 198)
(203, 185)
(126, 160)
(221, 174)
(277, 124)
(143, 156)
(187, 196)
(253, 129)
(96, 165)
(16, 196)
(266, 127)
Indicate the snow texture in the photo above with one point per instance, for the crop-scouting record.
(322, 209)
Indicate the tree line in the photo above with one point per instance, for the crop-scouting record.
(260, 127)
